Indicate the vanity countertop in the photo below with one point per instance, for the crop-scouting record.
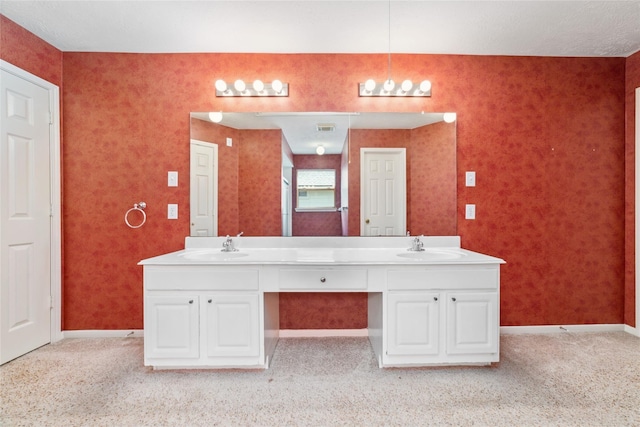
(322, 251)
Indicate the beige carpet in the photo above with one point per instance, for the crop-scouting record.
(568, 379)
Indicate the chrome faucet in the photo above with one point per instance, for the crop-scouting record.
(417, 245)
(227, 245)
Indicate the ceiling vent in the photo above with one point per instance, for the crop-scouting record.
(325, 127)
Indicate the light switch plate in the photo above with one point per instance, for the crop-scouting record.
(172, 211)
(470, 212)
(229, 142)
(470, 179)
(172, 178)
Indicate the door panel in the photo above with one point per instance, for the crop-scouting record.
(472, 321)
(25, 224)
(204, 194)
(383, 192)
(413, 323)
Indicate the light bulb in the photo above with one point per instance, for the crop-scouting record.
(258, 85)
(407, 85)
(425, 86)
(370, 85)
(320, 150)
(388, 85)
(215, 116)
(276, 85)
(239, 85)
(221, 85)
(449, 117)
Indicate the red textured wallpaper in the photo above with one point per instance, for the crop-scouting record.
(550, 172)
(29, 52)
(632, 74)
(546, 137)
(260, 182)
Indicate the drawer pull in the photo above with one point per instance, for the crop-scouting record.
(435, 298)
(453, 299)
(190, 301)
(209, 301)
(323, 279)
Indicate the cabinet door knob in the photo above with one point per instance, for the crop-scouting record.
(435, 298)
(453, 299)
(367, 221)
(209, 301)
(323, 279)
(190, 301)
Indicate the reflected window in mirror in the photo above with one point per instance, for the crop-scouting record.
(316, 189)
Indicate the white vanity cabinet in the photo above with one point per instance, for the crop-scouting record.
(202, 317)
(441, 315)
(204, 308)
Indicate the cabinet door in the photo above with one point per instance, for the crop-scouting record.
(232, 325)
(171, 327)
(472, 322)
(412, 323)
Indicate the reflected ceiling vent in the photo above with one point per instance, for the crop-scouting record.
(325, 127)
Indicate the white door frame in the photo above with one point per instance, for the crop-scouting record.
(56, 212)
(636, 211)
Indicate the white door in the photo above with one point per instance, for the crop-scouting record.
(383, 194)
(204, 189)
(25, 223)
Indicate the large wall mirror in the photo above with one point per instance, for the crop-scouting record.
(360, 169)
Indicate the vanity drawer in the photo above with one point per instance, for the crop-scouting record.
(201, 278)
(320, 279)
(472, 278)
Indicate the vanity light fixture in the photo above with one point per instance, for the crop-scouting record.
(319, 150)
(388, 87)
(257, 88)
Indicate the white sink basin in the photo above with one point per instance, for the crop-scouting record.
(432, 254)
(213, 255)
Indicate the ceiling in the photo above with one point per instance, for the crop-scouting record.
(531, 28)
(305, 131)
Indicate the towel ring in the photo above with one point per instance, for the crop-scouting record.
(136, 207)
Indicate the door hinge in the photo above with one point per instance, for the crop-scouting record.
(51, 211)
(50, 118)
(50, 301)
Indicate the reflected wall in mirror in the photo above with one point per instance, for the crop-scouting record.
(259, 153)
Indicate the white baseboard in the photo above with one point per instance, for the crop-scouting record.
(311, 333)
(314, 333)
(551, 329)
(110, 333)
(631, 330)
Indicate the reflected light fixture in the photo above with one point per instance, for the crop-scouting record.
(388, 87)
(257, 88)
(449, 117)
(215, 116)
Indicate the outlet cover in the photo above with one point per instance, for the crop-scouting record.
(470, 212)
(172, 211)
(470, 179)
(172, 178)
